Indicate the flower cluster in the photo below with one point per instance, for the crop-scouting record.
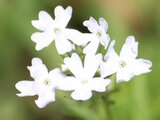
(89, 59)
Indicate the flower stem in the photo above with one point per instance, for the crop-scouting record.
(108, 102)
(109, 111)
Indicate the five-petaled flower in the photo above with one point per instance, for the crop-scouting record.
(99, 34)
(126, 65)
(44, 83)
(56, 30)
(83, 80)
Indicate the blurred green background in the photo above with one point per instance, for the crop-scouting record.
(138, 99)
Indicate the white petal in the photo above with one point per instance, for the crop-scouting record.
(81, 95)
(56, 76)
(103, 24)
(42, 39)
(45, 20)
(104, 40)
(99, 84)
(91, 64)
(141, 66)
(110, 49)
(76, 37)
(124, 74)
(26, 88)
(45, 98)
(91, 24)
(92, 46)
(38, 69)
(62, 16)
(68, 83)
(74, 64)
(111, 46)
(88, 37)
(108, 68)
(63, 45)
(130, 49)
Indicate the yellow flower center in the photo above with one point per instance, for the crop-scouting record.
(122, 64)
(99, 34)
(47, 82)
(84, 82)
(57, 31)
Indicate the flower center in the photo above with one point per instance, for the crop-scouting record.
(84, 82)
(47, 82)
(98, 34)
(122, 64)
(57, 31)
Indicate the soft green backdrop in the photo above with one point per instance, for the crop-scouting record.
(138, 99)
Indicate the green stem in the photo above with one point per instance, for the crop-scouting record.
(108, 102)
(109, 111)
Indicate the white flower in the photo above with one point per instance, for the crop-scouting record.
(56, 30)
(44, 83)
(83, 81)
(126, 65)
(99, 32)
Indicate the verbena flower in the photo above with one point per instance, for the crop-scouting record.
(44, 83)
(99, 34)
(83, 70)
(56, 30)
(125, 65)
(83, 81)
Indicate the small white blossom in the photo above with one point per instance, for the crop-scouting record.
(126, 65)
(99, 32)
(56, 30)
(83, 82)
(44, 83)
